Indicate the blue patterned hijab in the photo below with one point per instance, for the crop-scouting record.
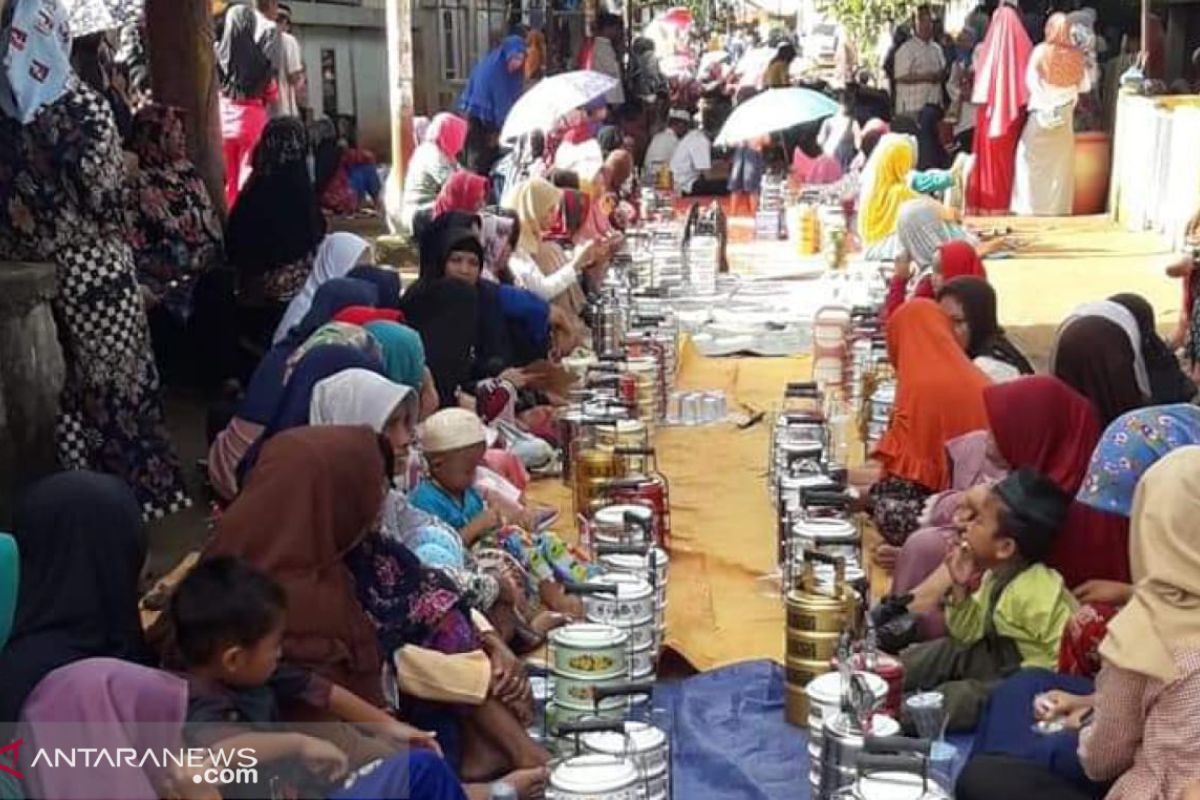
(1131, 444)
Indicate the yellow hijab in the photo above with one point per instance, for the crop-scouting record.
(1164, 560)
(886, 187)
(533, 201)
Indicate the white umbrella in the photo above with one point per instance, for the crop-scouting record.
(774, 110)
(551, 99)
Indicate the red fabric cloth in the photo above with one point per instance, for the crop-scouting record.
(464, 191)
(1000, 65)
(959, 259)
(1079, 651)
(449, 133)
(989, 189)
(361, 315)
(242, 124)
(1039, 422)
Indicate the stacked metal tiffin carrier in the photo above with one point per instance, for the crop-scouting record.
(769, 222)
(601, 672)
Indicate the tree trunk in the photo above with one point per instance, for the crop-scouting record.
(400, 82)
(179, 36)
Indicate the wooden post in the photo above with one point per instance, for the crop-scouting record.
(179, 38)
(400, 82)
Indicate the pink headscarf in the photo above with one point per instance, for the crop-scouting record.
(1000, 65)
(109, 703)
(449, 133)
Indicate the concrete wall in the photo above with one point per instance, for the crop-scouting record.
(357, 38)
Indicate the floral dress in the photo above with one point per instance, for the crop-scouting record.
(174, 230)
(63, 200)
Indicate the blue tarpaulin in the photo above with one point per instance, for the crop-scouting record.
(729, 739)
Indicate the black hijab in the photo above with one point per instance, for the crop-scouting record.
(444, 311)
(82, 546)
(978, 301)
(1168, 383)
(1094, 357)
(276, 220)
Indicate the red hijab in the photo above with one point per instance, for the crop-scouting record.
(361, 315)
(464, 191)
(939, 395)
(958, 259)
(1000, 65)
(1041, 423)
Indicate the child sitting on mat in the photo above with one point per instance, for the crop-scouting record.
(1017, 615)
(453, 443)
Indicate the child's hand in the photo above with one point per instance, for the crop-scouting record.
(960, 562)
(323, 759)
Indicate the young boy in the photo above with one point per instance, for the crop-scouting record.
(453, 442)
(228, 623)
(1016, 616)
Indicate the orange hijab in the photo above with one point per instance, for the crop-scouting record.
(939, 395)
(1059, 62)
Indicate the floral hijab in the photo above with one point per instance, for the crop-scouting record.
(174, 229)
(1130, 446)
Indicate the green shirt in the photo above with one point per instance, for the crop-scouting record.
(1032, 611)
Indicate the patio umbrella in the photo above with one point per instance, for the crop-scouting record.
(551, 99)
(774, 110)
(93, 16)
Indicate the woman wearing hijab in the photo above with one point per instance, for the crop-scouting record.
(971, 305)
(536, 265)
(938, 250)
(60, 202)
(492, 88)
(1044, 180)
(1168, 383)
(342, 334)
(82, 548)
(888, 184)
(337, 256)
(106, 703)
(322, 488)
(404, 361)
(939, 395)
(431, 165)
(1036, 423)
(1098, 351)
(1144, 705)
(292, 409)
(174, 229)
(465, 192)
(385, 280)
(254, 410)
(273, 232)
(1000, 94)
(248, 57)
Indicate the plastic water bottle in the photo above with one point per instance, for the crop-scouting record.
(502, 791)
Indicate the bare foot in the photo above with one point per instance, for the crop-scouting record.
(546, 621)
(529, 783)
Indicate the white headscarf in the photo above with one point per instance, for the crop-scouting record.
(921, 230)
(35, 58)
(1118, 315)
(338, 254)
(359, 397)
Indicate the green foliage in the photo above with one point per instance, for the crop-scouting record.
(864, 20)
